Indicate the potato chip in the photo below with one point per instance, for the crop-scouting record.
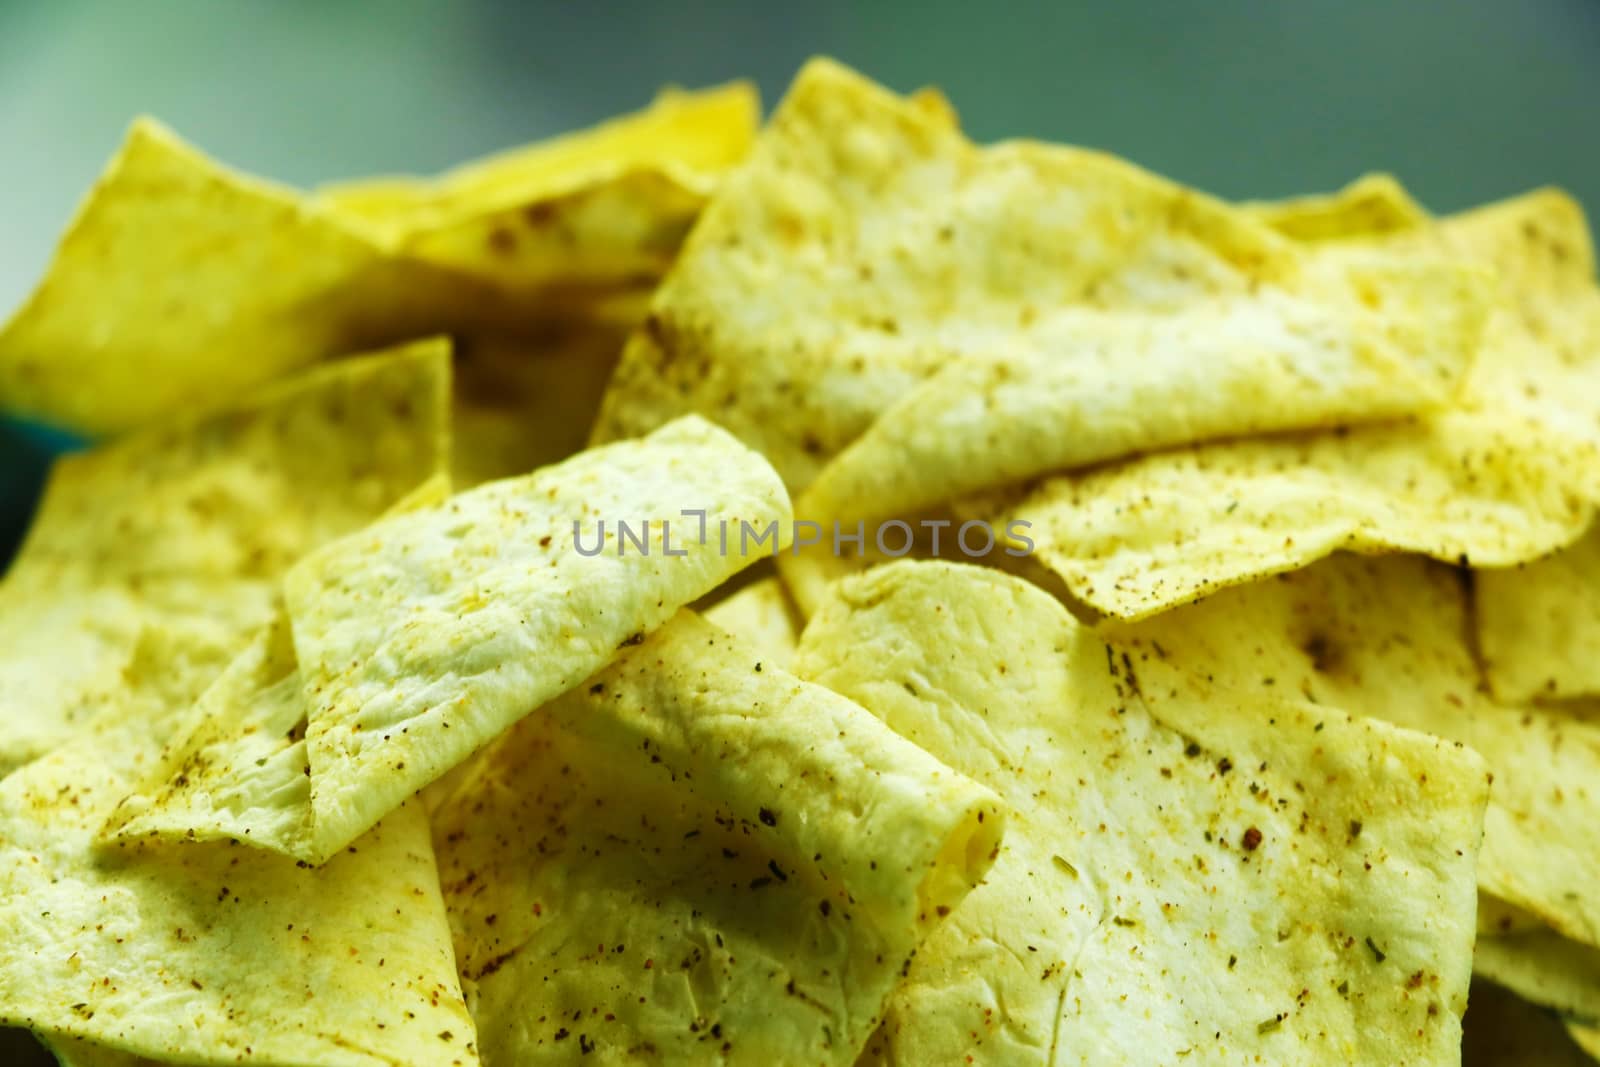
(186, 528)
(1143, 816)
(1370, 206)
(418, 640)
(599, 208)
(697, 857)
(867, 244)
(762, 616)
(1508, 478)
(1385, 636)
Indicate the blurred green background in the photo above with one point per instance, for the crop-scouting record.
(1465, 100)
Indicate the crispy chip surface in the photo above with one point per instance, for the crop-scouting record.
(186, 528)
(697, 857)
(1505, 479)
(1144, 815)
(419, 639)
(1386, 637)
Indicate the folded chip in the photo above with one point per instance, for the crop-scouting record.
(1507, 478)
(209, 953)
(600, 208)
(417, 640)
(696, 857)
(186, 529)
(1347, 341)
(868, 245)
(206, 952)
(1186, 872)
(1386, 637)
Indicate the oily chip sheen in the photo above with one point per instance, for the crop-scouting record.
(419, 639)
(867, 245)
(696, 857)
(1185, 872)
(186, 528)
(1504, 478)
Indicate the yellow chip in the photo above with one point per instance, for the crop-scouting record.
(867, 244)
(1510, 477)
(419, 639)
(186, 528)
(1370, 206)
(599, 208)
(699, 854)
(1185, 872)
(1385, 636)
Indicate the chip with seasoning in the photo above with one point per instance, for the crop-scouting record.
(1386, 637)
(417, 640)
(1185, 872)
(107, 948)
(696, 857)
(905, 252)
(186, 528)
(1505, 479)
(763, 616)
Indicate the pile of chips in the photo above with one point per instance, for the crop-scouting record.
(821, 592)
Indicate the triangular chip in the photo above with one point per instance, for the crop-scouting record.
(1507, 479)
(186, 528)
(181, 283)
(599, 208)
(696, 857)
(1386, 637)
(867, 243)
(210, 953)
(419, 639)
(1185, 872)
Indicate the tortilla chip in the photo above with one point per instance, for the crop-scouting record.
(1368, 341)
(1371, 206)
(1143, 816)
(867, 243)
(1511, 477)
(697, 857)
(526, 402)
(419, 639)
(180, 283)
(186, 528)
(598, 208)
(762, 616)
(191, 952)
(1386, 637)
